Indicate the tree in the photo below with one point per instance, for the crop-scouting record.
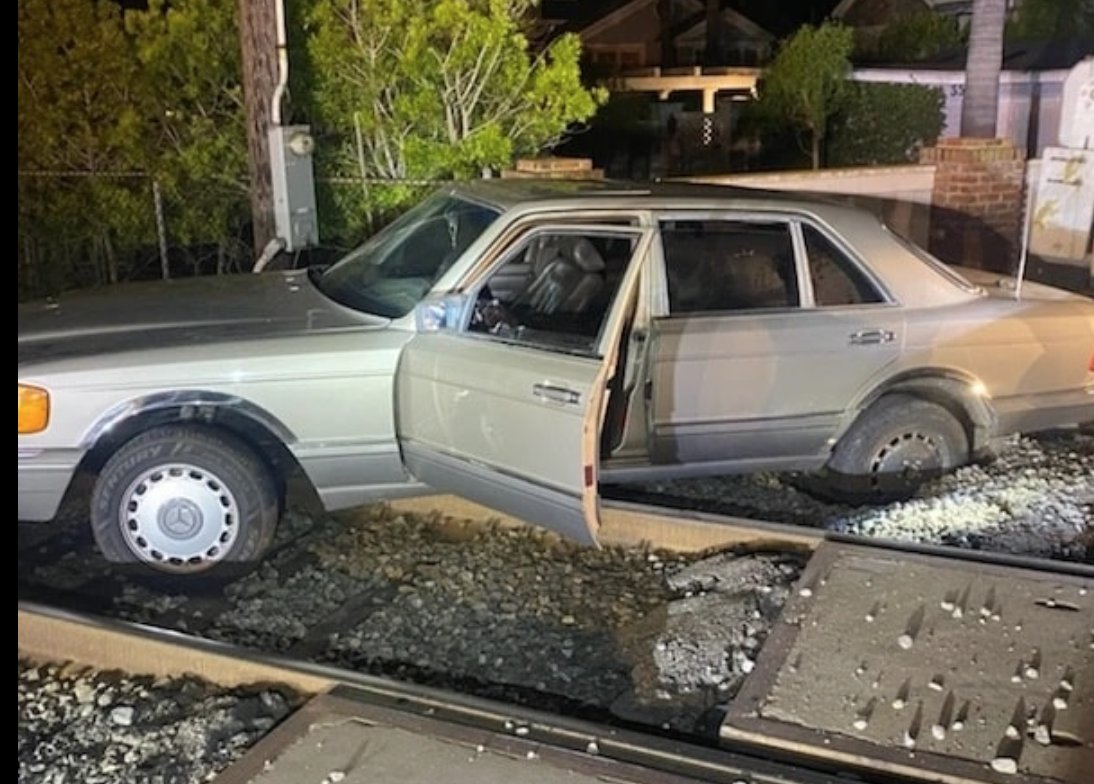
(421, 89)
(919, 36)
(77, 113)
(194, 134)
(807, 80)
(881, 123)
(985, 60)
(1046, 20)
(109, 101)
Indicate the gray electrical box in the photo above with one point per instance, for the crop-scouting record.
(295, 218)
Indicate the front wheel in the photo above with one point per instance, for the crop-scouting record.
(893, 447)
(185, 501)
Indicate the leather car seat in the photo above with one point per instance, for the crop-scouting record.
(570, 281)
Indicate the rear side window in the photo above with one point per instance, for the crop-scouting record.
(722, 265)
(836, 279)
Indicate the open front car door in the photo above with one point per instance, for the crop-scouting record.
(500, 397)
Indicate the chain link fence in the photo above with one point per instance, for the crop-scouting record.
(79, 229)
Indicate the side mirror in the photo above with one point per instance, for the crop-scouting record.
(440, 313)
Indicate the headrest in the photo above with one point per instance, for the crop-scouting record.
(586, 256)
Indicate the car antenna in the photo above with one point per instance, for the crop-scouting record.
(1023, 257)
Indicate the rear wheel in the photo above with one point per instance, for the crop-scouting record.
(893, 447)
(185, 501)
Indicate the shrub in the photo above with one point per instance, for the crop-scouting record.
(885, 123)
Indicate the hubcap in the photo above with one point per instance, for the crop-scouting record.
(908, 455)
(179, 517)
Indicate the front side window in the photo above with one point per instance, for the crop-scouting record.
(836, 279)
(555, 289)
(390, 273)
(716, 266)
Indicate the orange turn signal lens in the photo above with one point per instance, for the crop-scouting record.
(33, 409)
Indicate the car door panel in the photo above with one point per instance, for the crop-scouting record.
(510, 425)
(760, 386)
(475, 418)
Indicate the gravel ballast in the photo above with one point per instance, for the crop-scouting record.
(1036, 498)
(522, 615)
(99, 728)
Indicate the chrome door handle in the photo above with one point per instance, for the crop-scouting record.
(556, 394)
(871, 337)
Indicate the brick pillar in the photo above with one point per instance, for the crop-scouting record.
(977, 203)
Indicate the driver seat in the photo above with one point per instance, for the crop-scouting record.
(568, 279)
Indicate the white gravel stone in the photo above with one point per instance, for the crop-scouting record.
(167, 731)
(122, 716)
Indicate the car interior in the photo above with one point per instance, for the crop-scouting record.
(715, 266)
(555, 291)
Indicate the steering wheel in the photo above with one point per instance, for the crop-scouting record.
(490, 315)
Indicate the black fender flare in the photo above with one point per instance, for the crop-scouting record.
(270, 437)
(960, 393)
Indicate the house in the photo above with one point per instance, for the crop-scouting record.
(629, 35)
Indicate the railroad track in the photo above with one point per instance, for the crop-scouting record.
(585, 750)
(751, 744)
(92, 585)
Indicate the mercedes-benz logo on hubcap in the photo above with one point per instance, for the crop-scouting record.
(180, 518)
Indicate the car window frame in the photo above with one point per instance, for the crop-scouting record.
(512, 242)
(660, 305)
(849, 253)
(516, 227)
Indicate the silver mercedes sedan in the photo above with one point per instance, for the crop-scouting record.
(518, 343)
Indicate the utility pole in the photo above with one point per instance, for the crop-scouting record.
(258, 42)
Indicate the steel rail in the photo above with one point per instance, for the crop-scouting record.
(58, 635)
(791, 534)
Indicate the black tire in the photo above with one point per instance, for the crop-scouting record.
(185, 503)
(893, 447)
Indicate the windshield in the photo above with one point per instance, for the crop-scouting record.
(390, 273)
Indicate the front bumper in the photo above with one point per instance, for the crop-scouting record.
(44, 477)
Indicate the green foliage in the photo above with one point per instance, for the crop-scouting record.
(437, 88)
(416, 89)
(1046, 20)
(922, 35)
(76, 111)
(189, 61)
(885, 123)
(806, 82)
(104, 95)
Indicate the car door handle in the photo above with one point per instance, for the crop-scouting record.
(871, 337)
(556, 394)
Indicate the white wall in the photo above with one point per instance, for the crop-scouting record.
(903, 183)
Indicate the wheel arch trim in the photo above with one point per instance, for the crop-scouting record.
(197, 405)
(948, 387)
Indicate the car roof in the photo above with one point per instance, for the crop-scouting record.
(861, 227)
(544, 194)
